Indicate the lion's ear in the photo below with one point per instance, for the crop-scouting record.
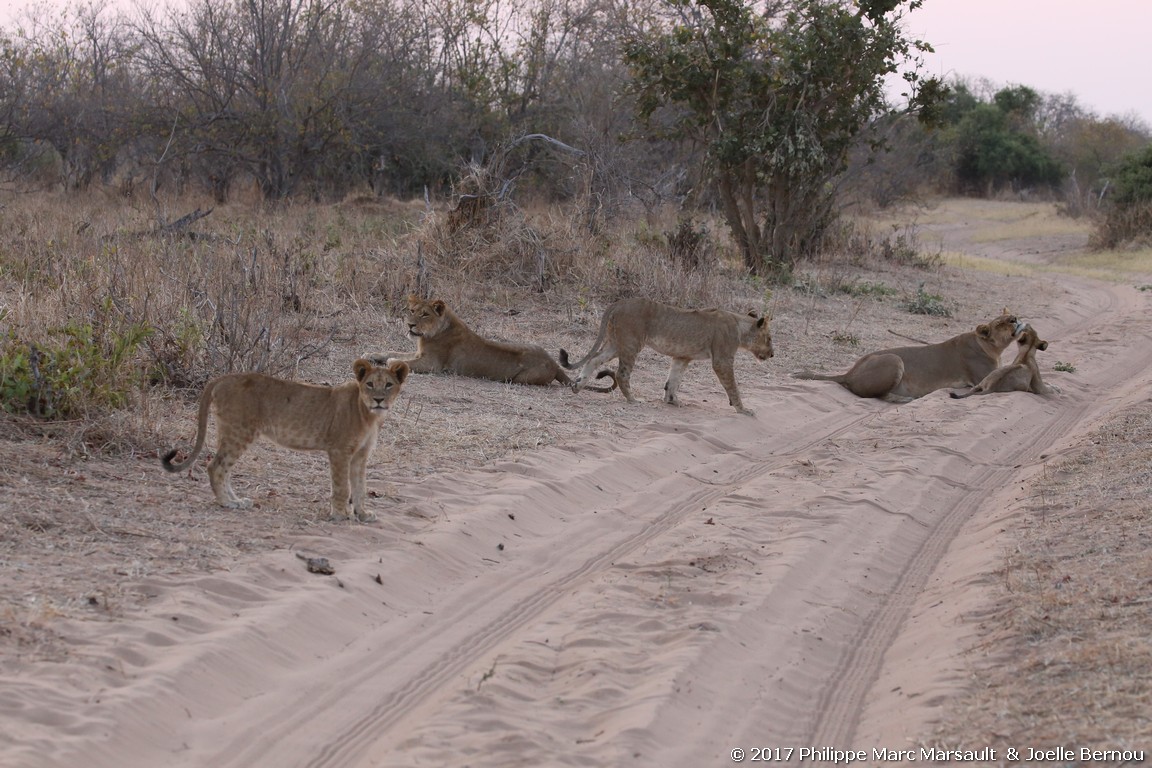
(361, 368)
(761, 321)
(400, 370)
(1042, 346)
(983, 331)
(439, 306)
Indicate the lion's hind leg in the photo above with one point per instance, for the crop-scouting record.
(230, 447)
(627, 355)
(875, 375)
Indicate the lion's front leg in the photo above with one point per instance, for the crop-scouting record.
(359, 478)
(727, 377)
(340, 462)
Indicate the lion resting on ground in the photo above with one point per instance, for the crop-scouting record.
(685, 335)
(445, 344)
(342, 420)
(905, 373)
(1022, 375)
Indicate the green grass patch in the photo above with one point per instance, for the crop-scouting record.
(924, 303)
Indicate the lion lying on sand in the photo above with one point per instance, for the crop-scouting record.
(444, 344)
(904, 373)
(1022, 375)
(685, 335)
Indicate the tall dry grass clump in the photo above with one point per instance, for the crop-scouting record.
(99, 303)
(548, 252)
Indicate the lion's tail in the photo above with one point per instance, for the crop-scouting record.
(965, 393)
(601, 335)
(601, 375)
(201, 434)
(812, 376)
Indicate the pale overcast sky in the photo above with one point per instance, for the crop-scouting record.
(1097, 50)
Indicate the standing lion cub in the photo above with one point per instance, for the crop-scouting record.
(685, 335)
(342, 420)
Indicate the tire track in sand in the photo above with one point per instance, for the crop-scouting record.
(386, 713)
(843, 698)
(378, 684)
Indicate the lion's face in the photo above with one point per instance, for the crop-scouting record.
(379, 385)
(1029, 338)
(1002, 330)
(758, 338)
(426, 318)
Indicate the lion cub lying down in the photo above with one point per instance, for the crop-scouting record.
(685, 335)
(1023, 375)
(342, 420)
(445, 344)
(904, 373)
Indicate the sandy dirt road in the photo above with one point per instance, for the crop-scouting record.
(659, 597)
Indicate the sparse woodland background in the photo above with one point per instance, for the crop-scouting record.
(202, 188)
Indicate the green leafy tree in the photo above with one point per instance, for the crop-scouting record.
(1128, 212)
(778, 97)
(1132, 179)
(996, 142)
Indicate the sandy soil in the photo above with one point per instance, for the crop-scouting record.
(583, 583)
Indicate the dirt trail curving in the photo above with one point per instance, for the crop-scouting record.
(659, 597)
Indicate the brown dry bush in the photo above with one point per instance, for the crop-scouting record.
(1122, 225)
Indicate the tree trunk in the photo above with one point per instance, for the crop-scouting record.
(738, 199)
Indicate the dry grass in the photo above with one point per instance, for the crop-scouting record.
(1114, 265)
(962, 260)
(1063, 658)
(88, 517)
(1069, 661)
